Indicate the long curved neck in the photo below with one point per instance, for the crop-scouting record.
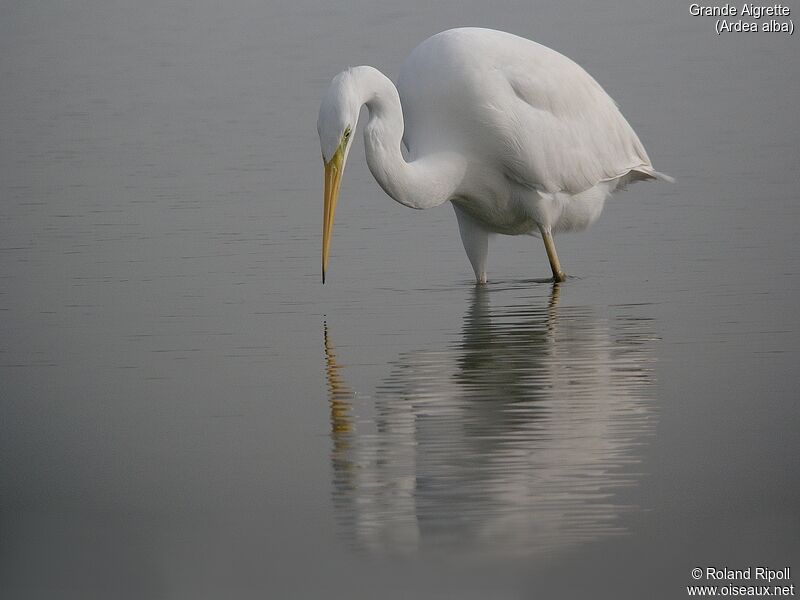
(422, 183)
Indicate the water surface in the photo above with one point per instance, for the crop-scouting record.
(185, 411)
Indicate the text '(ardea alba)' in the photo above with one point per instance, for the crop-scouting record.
(519, 138)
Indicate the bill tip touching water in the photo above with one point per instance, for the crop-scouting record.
(519, 138)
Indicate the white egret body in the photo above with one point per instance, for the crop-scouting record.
(517, 136)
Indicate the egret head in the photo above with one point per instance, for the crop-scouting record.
(338, 115)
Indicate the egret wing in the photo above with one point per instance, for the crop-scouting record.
(558, 130)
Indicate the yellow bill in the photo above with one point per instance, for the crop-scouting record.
(333, 177)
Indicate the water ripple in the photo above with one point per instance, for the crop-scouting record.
(512, 440)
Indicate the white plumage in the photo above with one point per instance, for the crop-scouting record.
(517, 136)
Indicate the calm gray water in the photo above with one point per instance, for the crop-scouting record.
(186, 412)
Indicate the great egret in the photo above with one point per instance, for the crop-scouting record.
(517, 136)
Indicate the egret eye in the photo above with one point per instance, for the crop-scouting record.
(347, 133)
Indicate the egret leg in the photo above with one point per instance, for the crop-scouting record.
(550, 246)
(476, 243)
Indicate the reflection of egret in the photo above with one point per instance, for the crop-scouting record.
(518, 137)
(339, 398)
(338, 392)
(512, 440)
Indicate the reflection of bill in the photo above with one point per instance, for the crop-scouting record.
(510, 442)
